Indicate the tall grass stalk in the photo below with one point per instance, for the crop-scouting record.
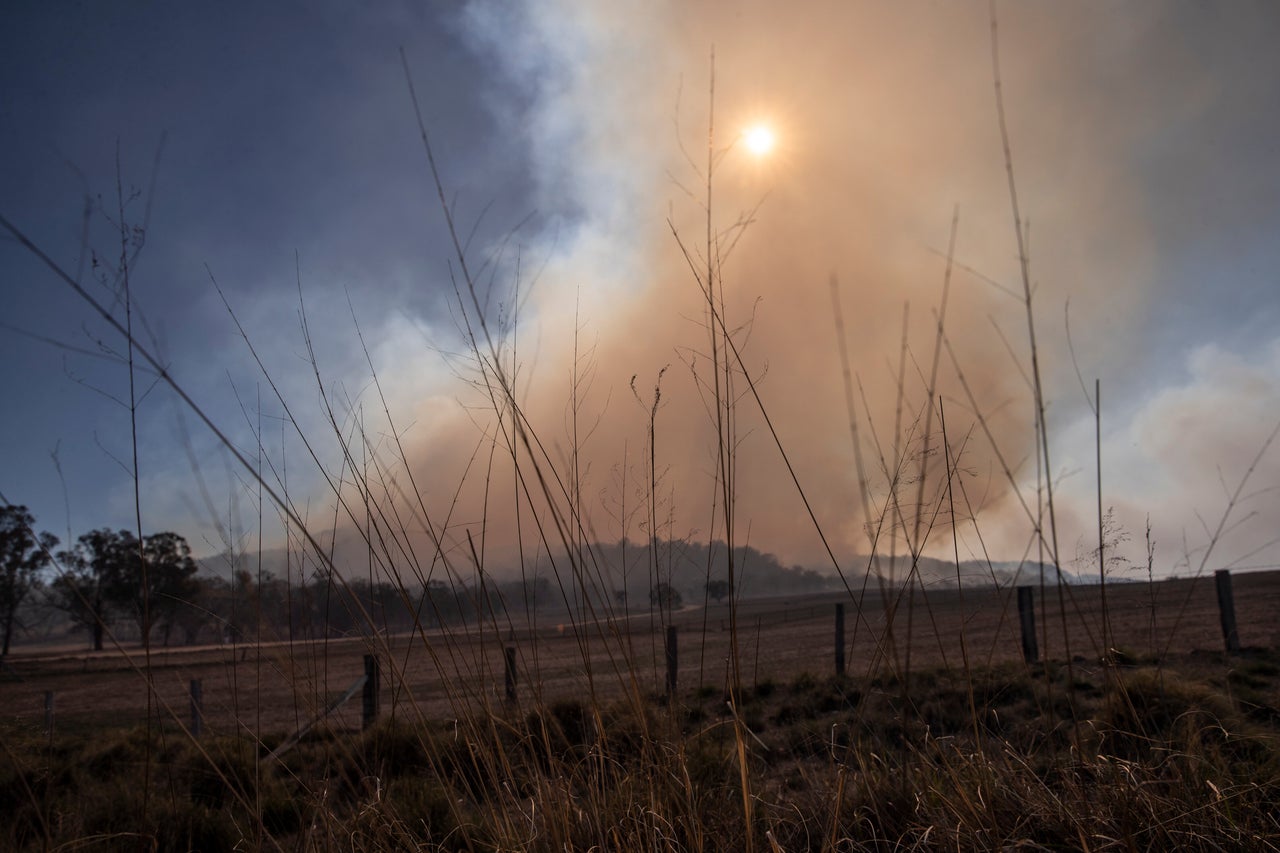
(592, 755)
(1042, 430)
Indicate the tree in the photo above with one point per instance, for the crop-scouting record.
(191, 621)
(23, 556)
(718, 589)
(81, 590)
(665, 595)
(152, 583)
(105, 577)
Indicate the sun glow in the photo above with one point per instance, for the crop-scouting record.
(759, 139)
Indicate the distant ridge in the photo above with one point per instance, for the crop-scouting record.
(973, 573)
(632, 569)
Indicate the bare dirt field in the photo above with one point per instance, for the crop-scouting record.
(441, 674)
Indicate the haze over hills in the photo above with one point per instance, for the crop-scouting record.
(630, 571)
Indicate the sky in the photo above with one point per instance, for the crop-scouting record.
(270, 155)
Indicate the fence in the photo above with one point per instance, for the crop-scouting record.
(1025, 624)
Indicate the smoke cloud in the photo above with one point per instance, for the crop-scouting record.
(887, 129)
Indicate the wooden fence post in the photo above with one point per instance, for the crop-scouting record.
(510, 654)
(1227, 610)
(1027, 618)
(197, 707)
(372, 683)
(840, 639)
(673, 660)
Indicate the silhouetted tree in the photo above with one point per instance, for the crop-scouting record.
(665, 595)
(190, 621)
(443, 604)
(153, 582)
(109, 573)
(718, 589)
(24, 554)
(239, 607)
(81, 590)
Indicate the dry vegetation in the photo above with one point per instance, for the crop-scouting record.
(1147, 751)
(939, 736)
(1182, 756)
(270, 688)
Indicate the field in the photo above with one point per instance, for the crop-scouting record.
(991, 752)
(573, 727)
(438, 675)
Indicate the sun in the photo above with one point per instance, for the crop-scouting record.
(759, 139)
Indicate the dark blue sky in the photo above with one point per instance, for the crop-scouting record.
(1145, 137)
(286, 128)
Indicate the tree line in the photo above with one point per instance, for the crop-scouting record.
(153, 587)
(110, 583)
(105, 576)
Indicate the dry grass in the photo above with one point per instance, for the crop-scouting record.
(1185, 756)
(940, 737)
(280, 683)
